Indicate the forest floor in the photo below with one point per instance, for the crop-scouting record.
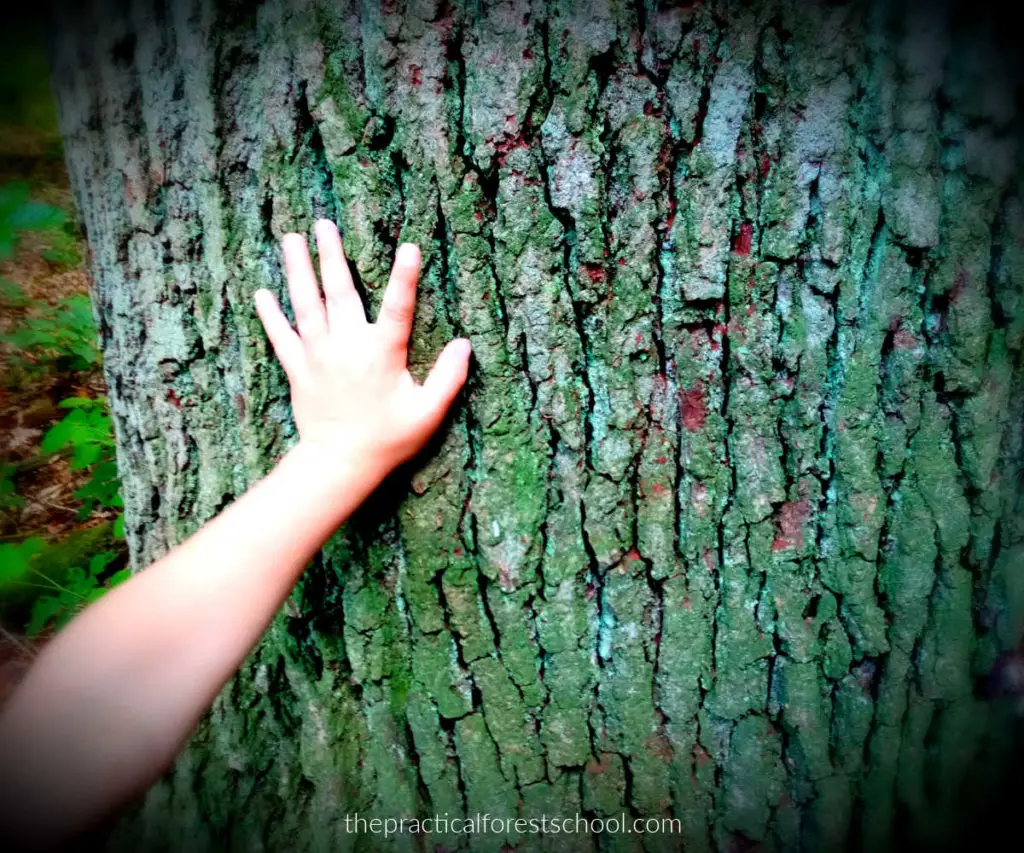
(59, 508)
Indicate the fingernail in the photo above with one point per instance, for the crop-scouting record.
(325, 225)
(408, 253)
(466, 346)
(262, 296)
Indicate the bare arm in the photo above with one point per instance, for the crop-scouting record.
(110, 702)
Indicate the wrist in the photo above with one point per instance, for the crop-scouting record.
(338, 466)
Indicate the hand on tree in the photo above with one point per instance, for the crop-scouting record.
(142, 664)
(351, 389)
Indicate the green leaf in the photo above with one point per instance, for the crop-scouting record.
(85, 454)
(12, 294)
(100, 561)
(65, 334)
(77, 581)
(43, 613)
(15, 560)
(118, 578)
(19, 213)
(59, 434)
(77, 403)
(36, 216)
(9, 499)
(103, 488)
(12, 196)
(119, 527)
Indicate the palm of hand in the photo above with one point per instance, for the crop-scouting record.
(350, 385)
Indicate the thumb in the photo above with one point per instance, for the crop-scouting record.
(446, 377)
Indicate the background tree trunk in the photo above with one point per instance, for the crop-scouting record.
(728, 526)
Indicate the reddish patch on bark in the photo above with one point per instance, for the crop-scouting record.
(129, 193)
(590, 593)
(595, 273)
(457, 552)
(657, 744)
(508, 145)
(960, 281)
(791, 519)
(766, 165)
(904, 340)
(632, 555)
(671, 214)
(621, 262)
(506, 579)
(511, 143)
(173, 399)
(415, 75)
(701, 757)
(709, 559)
(693, 407)
(661, 460)
(240, 405)
(527, 52)
(744, 239)
(699, 496)
(446, 23)
(687, 603)
(658, 489)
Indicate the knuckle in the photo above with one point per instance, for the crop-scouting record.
(396, 311)
(305, 313)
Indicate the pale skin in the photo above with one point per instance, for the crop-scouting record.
(112, 699)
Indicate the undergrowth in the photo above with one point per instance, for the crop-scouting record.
(44, 582)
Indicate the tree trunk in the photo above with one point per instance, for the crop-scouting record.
(727, 527)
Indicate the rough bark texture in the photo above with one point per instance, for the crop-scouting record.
(728, 526)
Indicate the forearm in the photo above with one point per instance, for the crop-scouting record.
(111, 700)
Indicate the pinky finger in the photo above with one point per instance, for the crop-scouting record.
(283, 338)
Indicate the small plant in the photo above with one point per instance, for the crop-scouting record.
(19, 213)
(9, 498)
(15, 560)
(60, 599)
(87, 431)
(65, 334)
(12, 295)
(80, 587)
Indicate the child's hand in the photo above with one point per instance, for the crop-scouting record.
(351, 391)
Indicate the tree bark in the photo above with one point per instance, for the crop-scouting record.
(728, 526)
